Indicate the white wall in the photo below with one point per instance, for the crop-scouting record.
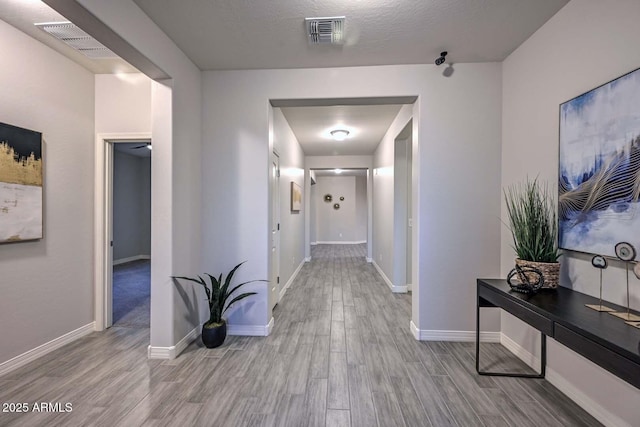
(46, 285)
(131, 206)
(459, 173)
(337, 225)
(291, 170)
(176, 165)
(361, 208)
(583, 46)
(339, 162)
(123, 103)
(383, 195)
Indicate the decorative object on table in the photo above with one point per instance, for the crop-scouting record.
(296, 197)
(533, 226)
(599, 165)
(336, 206)
(527, 280)
(328, 198)
(627, 253)
(600, 263)
(220, 298)
(342, 198)
(20, 184)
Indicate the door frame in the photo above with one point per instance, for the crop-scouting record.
(103, 221)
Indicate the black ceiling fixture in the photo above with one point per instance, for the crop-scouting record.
(440, 60)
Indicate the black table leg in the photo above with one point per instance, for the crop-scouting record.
(543, 354)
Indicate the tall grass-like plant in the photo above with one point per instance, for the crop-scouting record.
(219, 293)
(532, 221)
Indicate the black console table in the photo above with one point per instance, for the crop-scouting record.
(561, 314)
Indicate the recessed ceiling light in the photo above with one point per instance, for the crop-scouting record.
(339, 134)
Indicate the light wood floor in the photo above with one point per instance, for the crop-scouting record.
(340, 354)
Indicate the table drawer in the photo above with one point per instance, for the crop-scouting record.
(525, 314)
(613, 362)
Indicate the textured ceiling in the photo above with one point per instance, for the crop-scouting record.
(22, 14)
(366, 124)
(243, 34)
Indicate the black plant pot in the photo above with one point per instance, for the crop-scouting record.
(214, 336)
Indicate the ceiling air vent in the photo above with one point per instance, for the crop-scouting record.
(77, 39)
(325, 30)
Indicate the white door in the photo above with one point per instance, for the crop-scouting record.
(274, 282)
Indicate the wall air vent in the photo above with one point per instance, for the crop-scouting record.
(325, 30)
(77, 39)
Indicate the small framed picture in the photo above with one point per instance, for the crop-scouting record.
(296, 197)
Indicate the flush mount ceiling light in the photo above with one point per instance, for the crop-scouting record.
(339, 134)
(325, 30)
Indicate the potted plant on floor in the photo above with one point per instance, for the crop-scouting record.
(219, 296)
(534, 228)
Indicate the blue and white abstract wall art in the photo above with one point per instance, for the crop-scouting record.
(599, 176)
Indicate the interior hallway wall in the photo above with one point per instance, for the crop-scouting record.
(177, 163)
(131, 206)
(46, 285)
(361, 208)
(459, 158)
(557, 64)
(338, 225)
(291, 223)
(383, 195)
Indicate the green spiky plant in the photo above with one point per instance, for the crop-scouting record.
(532, 221)
(218, 293)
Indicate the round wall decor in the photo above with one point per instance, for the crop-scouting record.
(328, 198)
(625, 251)
(599, 261)
(336, 206)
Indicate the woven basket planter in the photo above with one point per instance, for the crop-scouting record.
(550, 272)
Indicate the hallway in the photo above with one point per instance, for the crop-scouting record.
(340, 354)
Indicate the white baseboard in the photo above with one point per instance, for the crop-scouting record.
(454, 336)
(522, 354)
(251, 330)
(313, 243)
(290, 281)
(596, 410)
(307, 259)
(130, 259)
(410, 287)
(359, 242)
(31, 355)
(394, 289)
(369, 260)
(175, 350)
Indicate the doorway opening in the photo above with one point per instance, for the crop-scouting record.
(130, 235)
(106, 154)
(339, 207)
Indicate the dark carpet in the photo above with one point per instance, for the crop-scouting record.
(132, 294)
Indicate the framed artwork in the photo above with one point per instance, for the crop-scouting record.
(296, 197)
(599, 176)
(20, 184)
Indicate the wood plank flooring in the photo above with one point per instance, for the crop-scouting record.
(340, 355)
